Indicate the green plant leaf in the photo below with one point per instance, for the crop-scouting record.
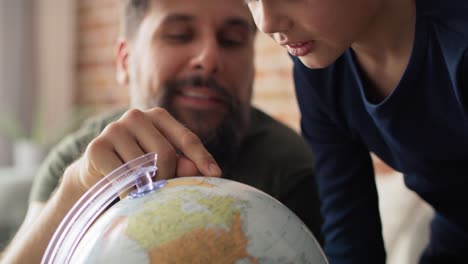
(11, 127)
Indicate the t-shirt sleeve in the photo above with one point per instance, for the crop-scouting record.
(344, 174)
(58, 159)
(66, 152)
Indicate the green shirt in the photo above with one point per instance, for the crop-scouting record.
(273, 158)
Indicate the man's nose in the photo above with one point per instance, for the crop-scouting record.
(208, 58)
(271, 19)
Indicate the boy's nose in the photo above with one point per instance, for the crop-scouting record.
(270, 19)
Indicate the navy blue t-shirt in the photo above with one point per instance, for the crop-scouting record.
(420, 129)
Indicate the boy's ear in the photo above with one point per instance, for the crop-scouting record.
(121, 56)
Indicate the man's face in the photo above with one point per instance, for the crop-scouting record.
(194, 58)
(316, 31)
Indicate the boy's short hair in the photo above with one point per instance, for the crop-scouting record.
(132, 13)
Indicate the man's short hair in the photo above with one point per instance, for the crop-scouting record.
(133, 12)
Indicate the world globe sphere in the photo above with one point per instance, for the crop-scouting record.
(182, 220)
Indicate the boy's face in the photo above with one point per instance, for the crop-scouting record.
(317, 31)
(194, 58)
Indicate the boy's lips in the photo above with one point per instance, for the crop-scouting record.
(300, 48)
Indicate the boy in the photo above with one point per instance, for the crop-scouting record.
(391, 77)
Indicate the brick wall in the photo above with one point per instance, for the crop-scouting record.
(98, 22)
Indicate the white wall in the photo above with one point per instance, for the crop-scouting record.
(16, 66)
(3, 143)
(37, 63)
(55, 57)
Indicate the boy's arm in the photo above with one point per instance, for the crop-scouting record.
(345, 179)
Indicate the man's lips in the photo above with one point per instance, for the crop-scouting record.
(197, 94)
(199, 97)
(300, 48)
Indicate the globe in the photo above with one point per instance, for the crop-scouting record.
(191, 220)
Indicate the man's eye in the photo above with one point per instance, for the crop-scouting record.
(179, 38)
(231, 43)
(233, 37)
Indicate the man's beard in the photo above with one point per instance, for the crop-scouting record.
(223, 140)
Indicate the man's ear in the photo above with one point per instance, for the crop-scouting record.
(121, 56)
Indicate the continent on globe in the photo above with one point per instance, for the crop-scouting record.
(199, 220)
